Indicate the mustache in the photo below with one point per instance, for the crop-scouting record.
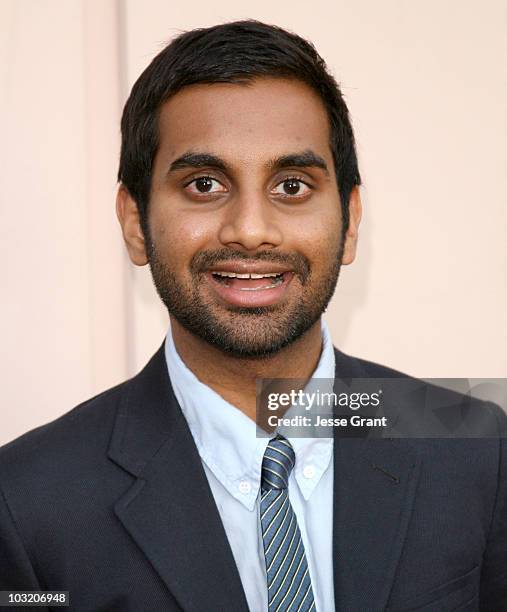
(295, 261)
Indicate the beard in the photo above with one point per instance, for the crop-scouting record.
(243, 332)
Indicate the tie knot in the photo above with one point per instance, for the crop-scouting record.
(277, 464)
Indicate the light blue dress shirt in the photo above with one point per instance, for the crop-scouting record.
(232, 454)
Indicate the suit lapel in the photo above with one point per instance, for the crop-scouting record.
(374, 489)
(177, 525)
(179, 529)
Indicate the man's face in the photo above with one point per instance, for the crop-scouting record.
(243, 184)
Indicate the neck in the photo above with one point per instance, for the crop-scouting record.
(235, 378)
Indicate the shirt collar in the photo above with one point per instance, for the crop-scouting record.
(226, 438)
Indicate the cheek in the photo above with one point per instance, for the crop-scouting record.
(179, 236)
(318, 237)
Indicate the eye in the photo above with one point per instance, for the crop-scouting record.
(292, 187)
(204, 185)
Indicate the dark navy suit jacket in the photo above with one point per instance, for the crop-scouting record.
(111, 503)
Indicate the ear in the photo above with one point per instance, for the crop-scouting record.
(130, 221)
(355, 212)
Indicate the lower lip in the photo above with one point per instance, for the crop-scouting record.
(249, 298)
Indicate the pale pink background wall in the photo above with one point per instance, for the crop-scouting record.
(426, 83)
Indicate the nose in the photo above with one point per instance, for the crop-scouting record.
(250, 223)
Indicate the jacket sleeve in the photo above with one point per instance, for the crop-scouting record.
(16, 571)
(493, 594)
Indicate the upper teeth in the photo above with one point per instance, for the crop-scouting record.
(234, 275)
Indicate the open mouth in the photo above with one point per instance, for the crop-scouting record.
(250, 282)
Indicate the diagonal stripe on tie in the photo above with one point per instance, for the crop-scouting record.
(288, 578)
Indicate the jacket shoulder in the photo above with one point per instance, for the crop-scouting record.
(493, 417)
(65, 440)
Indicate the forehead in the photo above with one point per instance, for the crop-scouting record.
(246, 122)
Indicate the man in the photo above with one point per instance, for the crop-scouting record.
(239, 186)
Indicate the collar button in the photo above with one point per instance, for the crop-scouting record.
(245, 487)
(309, 471)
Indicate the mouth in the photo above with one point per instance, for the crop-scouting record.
(249, 282)
(250, 289)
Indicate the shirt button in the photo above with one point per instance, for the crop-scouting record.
(309, 471)
(245, 487)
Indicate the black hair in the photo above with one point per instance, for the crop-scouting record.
(235, 52)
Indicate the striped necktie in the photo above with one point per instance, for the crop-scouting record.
(289, 585)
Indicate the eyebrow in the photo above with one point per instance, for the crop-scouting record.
(303, 159)
(197, 160)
